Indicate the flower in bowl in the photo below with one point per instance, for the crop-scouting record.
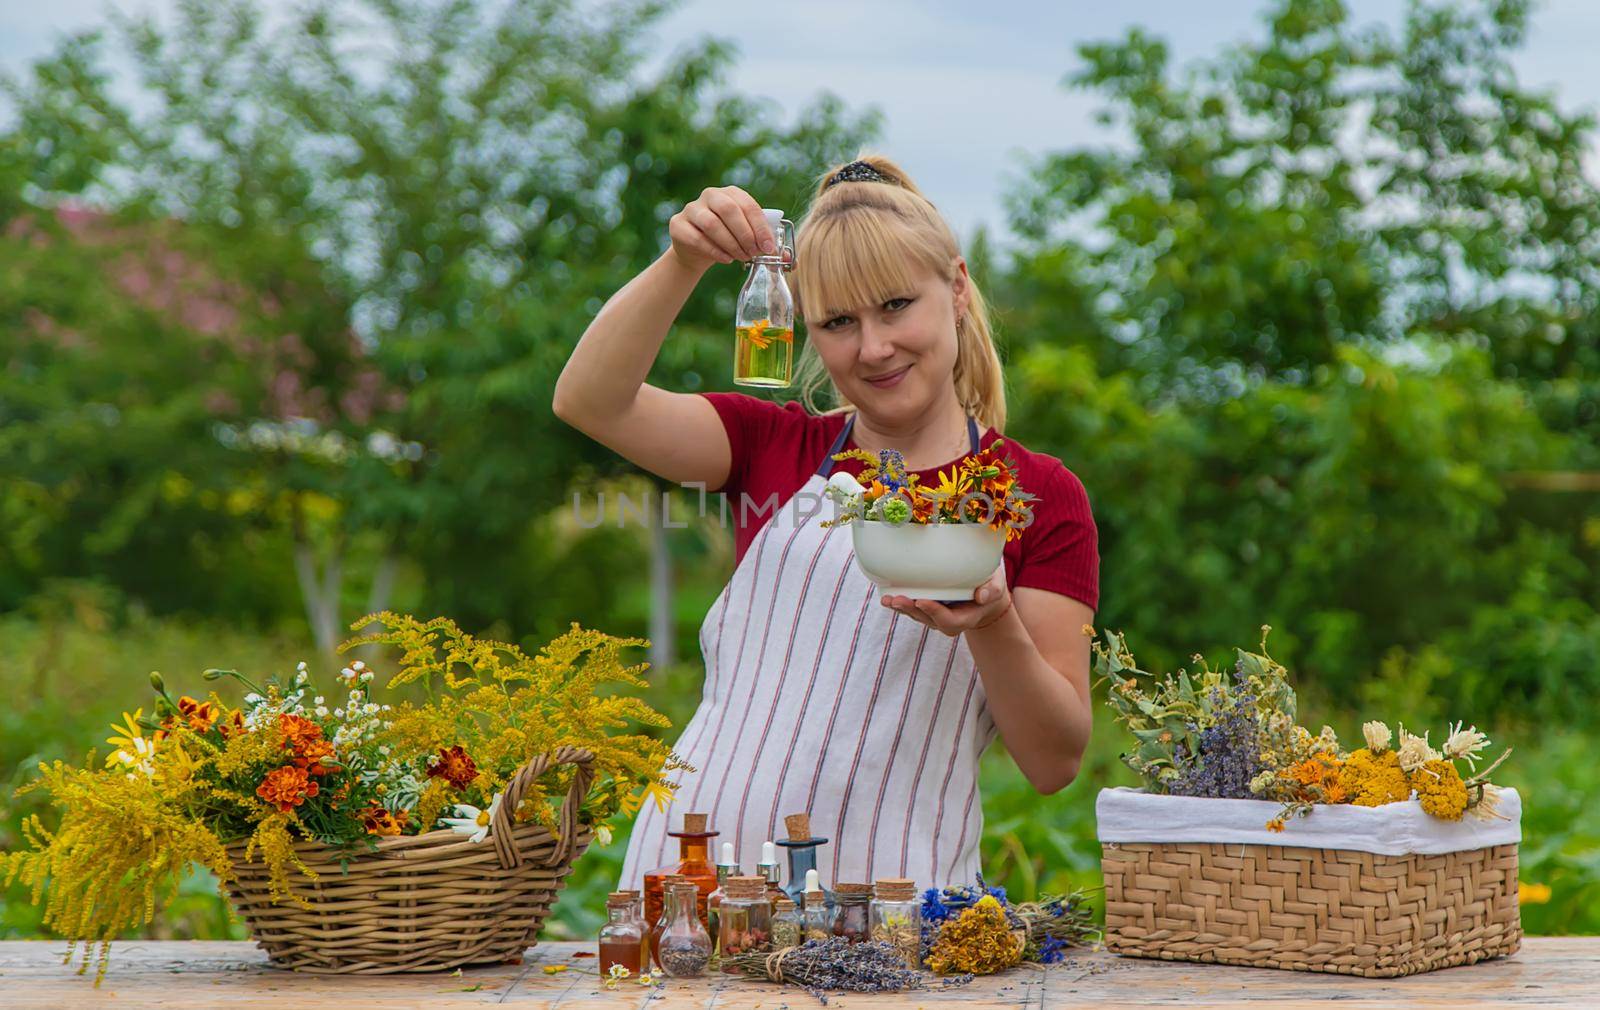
(935, 542)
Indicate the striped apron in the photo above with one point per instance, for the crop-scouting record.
(817, 698)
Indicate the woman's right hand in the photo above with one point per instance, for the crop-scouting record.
(723, 225)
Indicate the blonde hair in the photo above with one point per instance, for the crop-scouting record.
(860, 243)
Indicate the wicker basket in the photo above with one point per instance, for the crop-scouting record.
(1335, 910)
(427, 902)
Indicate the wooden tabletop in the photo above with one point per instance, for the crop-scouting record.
(1549, 971)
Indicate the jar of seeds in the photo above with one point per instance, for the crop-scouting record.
(816, 918)
(746, 922)
(897, 918)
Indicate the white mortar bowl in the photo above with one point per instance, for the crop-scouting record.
(938, 561)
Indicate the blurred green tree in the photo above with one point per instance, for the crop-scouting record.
(1321, 317)
(467, 180)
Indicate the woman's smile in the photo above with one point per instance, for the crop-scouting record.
(889, 379)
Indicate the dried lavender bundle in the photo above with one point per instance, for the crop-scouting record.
(831, 964)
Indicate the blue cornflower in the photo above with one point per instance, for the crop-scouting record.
(892, 469)
(1050, 950)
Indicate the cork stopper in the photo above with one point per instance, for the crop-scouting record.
(630, 894)
(799, 826)
(782, 903)
(897, 889)
(622, 897)
(746, 888)
(671, 880)
(695, 824)
(855, 889)
(815, 899)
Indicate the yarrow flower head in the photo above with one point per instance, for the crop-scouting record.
(1414, 751)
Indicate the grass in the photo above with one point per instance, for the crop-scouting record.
(71, 679)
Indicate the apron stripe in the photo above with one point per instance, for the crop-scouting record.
(944, 790)
(799, 710)
(861, 742)
(838, 699)
(744, 716)
(894, 745)
(922, 762)
(805, 705)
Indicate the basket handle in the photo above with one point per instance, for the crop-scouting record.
(501, 828)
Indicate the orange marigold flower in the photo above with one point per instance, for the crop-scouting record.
(298, 731)
(234, 723)
(1276, 824)
(311, 755)
(200, 715)
(383, 823)
(454, 766)
(286, 788)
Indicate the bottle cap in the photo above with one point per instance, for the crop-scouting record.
(622, 897)
(746, 888)
(813, 881)
(783, 903)
(727, 854)
(856, 890)
(769, 854)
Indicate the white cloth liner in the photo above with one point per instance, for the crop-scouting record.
(1396, 829)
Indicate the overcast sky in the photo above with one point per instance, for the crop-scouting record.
(964, 85)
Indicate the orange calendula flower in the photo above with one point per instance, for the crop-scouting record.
(383, 823)
(455, 766)
(287, 787)
(200, 715)
(1276, 824)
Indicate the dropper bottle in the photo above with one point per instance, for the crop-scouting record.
(727, 867)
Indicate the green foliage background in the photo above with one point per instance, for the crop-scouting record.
(1319, 336)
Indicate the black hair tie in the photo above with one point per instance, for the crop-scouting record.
(857, 171)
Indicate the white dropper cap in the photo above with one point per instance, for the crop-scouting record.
(769, 854)
(813, 881)
(727, 853)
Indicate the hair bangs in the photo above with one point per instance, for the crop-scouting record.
(847, 261)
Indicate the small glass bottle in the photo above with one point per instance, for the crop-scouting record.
(636, 910)
(818, 924)
(763, 342)
(788, 923)
(897, 918)
(726, 868)
(802, 848)
(621, 939)
(746, 918)
(685, 947)
(852, 907)
(694, 863)
(669, 908)
(769, 870)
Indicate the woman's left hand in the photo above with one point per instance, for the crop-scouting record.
(990, 602)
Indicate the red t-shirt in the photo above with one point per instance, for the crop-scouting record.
(776, 449)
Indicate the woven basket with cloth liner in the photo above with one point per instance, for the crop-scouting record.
(1375, 891)
(428, 902)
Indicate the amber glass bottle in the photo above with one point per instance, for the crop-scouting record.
(693, 865)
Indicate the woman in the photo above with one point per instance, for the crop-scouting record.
(868, 712)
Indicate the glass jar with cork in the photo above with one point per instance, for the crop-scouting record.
(788, 923)
(897, 918)
(852, 907)
(694, 864)
(621, 938)
(746, 916)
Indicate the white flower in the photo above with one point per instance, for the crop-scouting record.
(300, 678)
(1378, 736)
(321, 711)
(318, 700)
(347, 673)
(1414, 751)
(469, 820)
(366, 678)
(384, 750)
(1465, 744)
(301, 666)
(602, 835)
(253, 699)
(338, 713)
(355, 696)
(1488, 808)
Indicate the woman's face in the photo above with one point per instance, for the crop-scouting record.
(895, 360)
